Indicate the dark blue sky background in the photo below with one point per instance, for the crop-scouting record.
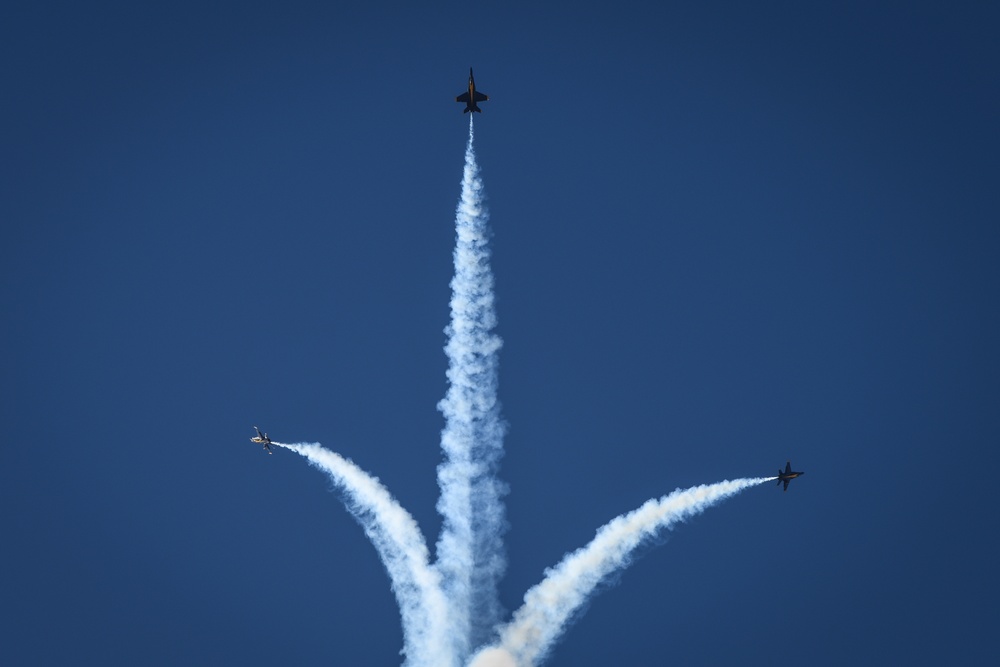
(726, 234)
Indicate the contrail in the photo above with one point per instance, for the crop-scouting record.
(551, 604)
(400, 544)
(470, 549)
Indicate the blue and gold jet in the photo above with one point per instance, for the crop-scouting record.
(472, 96)
(788, 475)
(262, 439)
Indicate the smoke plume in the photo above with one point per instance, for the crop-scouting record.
(451, 608)
(551, 604)
(400, 545)
(470, 549)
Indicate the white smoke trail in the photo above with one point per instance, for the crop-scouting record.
(450, 608)
(548, 606)
(470, 549)
(400, 544)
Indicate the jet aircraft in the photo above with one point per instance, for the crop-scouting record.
(472, 96)
(788, 475)
(262, 439)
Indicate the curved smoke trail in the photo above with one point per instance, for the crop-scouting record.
(470, 549)
(400, 544)
(551, 604)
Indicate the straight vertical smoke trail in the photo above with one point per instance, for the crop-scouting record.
(551, 605)
(400, 544)
(470, 549)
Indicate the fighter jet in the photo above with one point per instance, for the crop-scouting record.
(263, 440)
(788, 475)
(472, 96)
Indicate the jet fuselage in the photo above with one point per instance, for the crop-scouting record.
(788, 474)
(470, 97)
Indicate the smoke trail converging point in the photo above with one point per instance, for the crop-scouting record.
(470, 549)
(400, 544)
(493, 657)
(550, 605)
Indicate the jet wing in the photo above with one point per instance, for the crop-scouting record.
(464, 97)
(480, 97)
(786, 485)
(788, 468)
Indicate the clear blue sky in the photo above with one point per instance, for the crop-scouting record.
(726, 234)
